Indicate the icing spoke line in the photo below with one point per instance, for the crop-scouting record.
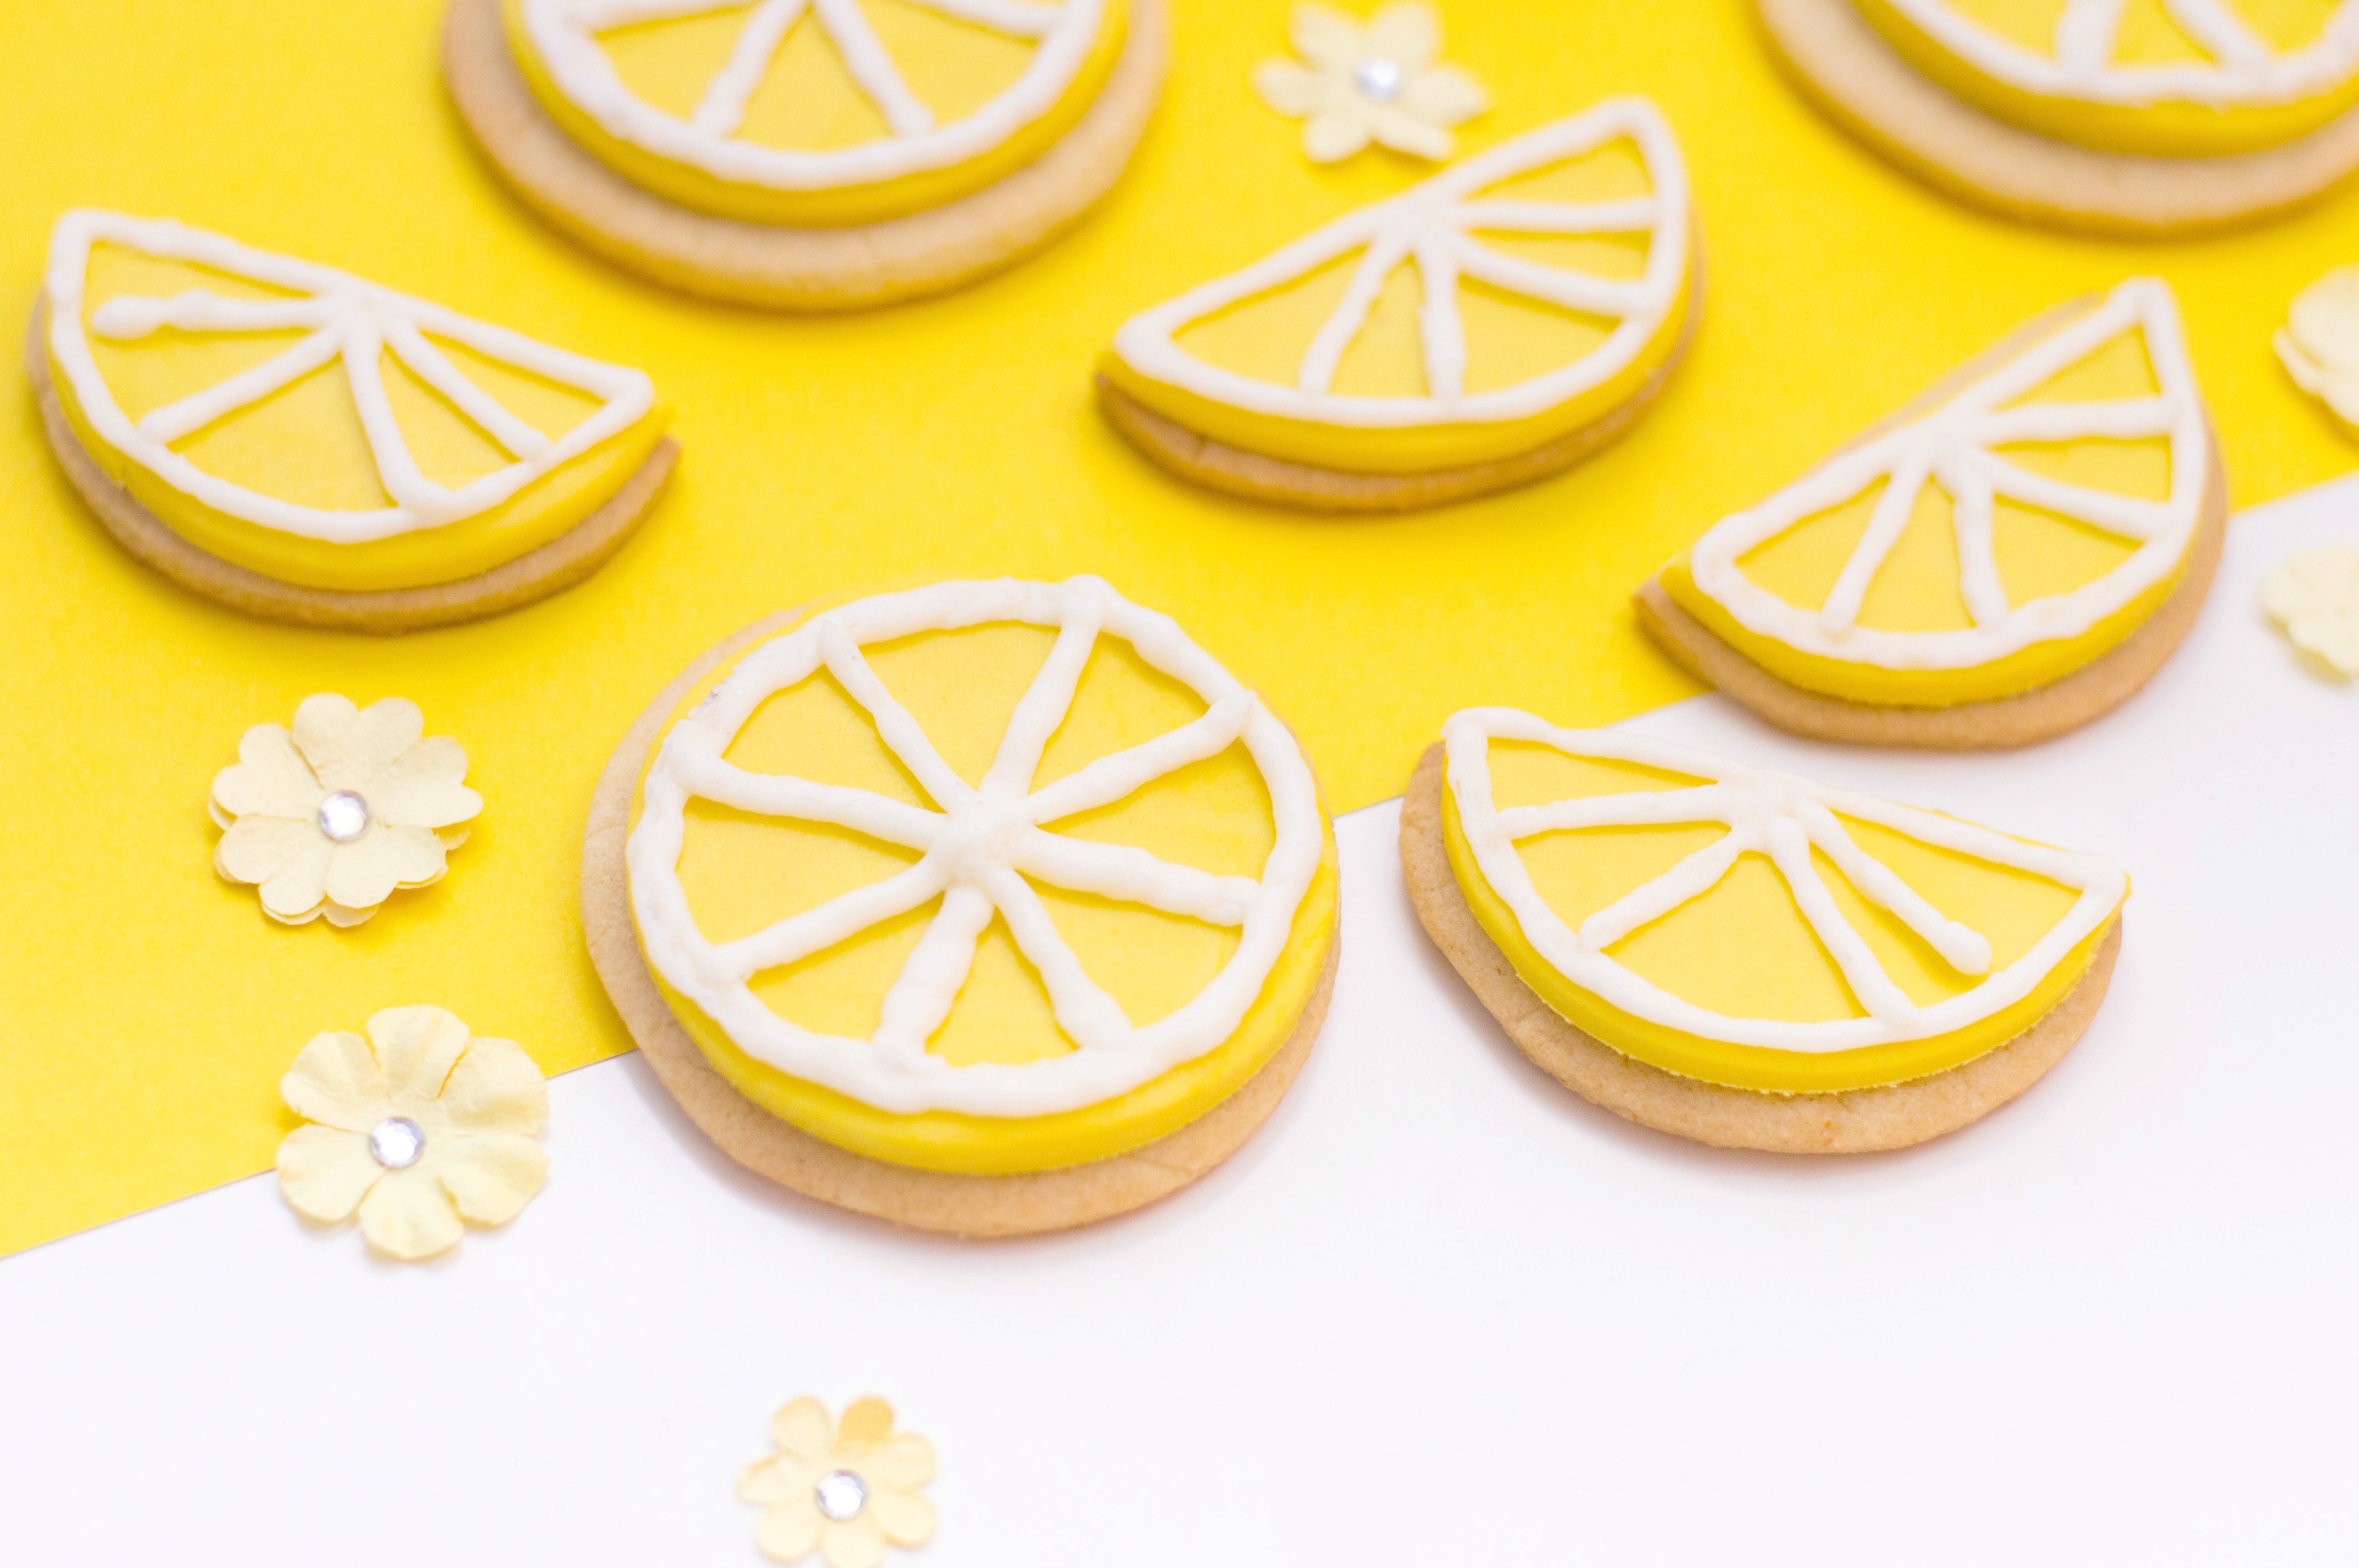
(432, 366)
(722, 110)
(899, 732)
(781, 795)
(872, 69)
(1789, 851)
(198, 409)
(1886, 524)
(1962, 947)
(1084, 1009)
(2219, 31)
(1317, 373)
(935, 972)
(1639, 213)
(1438, 326)
(2126, 515)
(1573, 290)
(1114, 777)
(1043, 706)
(1133, 875)
(1016, 18)
(1684, 882)
(2085, 33)
(1636, 808)
(840, 918)
(2130, 420)
(1971, 530)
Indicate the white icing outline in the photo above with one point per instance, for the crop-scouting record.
(1952, 444)
(1783, 817)
(350, 319)
(977, 855)
(2243, 72)
(564, 33)
(1433, 223)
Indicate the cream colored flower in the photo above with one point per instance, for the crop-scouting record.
(331, 819)
(2319, 342)
(1381, 82)
(840, 1489)
(417, 1128)
(2314, 594)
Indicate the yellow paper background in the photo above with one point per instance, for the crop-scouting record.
(146, 1009)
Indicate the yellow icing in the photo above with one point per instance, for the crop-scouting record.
(1744, 949)
(1510, 339)
(2147, 37)
(305, 444)
(2040, 553)
(809, 102)
(743, 871)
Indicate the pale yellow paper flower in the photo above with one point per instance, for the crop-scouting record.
(416, 1127)
(2314, 595)
(1382, 82)
(2319, 342)
(842, 1490)
(330, 819)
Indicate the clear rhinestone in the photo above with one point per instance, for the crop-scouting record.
(1379, 76)
(343, 816)
(840, 1495)
(397, 1142)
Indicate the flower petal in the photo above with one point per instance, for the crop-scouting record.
(349, 748)
(343, 919)
(789, 1528)
(903, 1460)
(1334, 134)
(2324, 317)
(335, 1081)
(906, 1517)
(490, 1175)
(295, 890)
(1443, 96)
(1324, 36)
(802, 1428)
(774, 1479)
(366, 871)
(422, 787)
(410, 1215)
(325, 1171)
(256, 849)
(415, 1048)
(855, 1543)
(267, 779)
(497, 1088)
(1406, 31)
(1289, 88)
(1406, 133)
(865, 1421)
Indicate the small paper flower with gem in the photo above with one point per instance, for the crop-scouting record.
(842, 1490)
(2314, 595)
(333, 817)
(2319, 342)
(417, 1129)
(1382, 82)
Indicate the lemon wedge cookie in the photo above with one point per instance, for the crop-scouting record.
(807, 154)
(2003, 562)
(986, 907)
(2139, 116)
(306, 446)
(1495, 324)
(1744, 957)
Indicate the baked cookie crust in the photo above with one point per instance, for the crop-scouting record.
(944, 1203)
(1857, 1121)
(792, 268)
(1837, 58)
(551, 567)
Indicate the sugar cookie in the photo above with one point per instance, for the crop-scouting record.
(817, 885)
(2144, 118)
(1746, 958)
(1497, 322)
(2010, 556)
(807, 154)
(305, 446)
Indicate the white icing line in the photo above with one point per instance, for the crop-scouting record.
(564, 33)
(977, 851)
(1953, 443)
(352, 318)
(1782, 816)
(2243, 73)
(1431, 224)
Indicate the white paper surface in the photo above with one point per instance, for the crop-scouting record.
(1438, 1312)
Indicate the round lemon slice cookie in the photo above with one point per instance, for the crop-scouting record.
(807, 154)
(984, 907)
(306, 446)
(2002, 561)
(1497, 322)
(1744, 957)
(2137, 116)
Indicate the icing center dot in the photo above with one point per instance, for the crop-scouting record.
(840, 1495)
(343, 816)
(979, 839)
(397, 1142)
(1379, 76)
